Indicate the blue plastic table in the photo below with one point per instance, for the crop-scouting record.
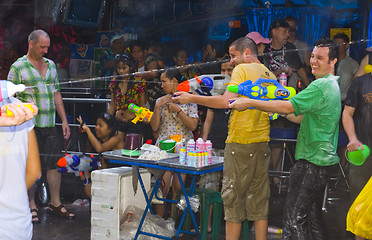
(170, 164)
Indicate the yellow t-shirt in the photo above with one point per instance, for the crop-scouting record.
(251, 125)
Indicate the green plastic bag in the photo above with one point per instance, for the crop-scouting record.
(359, 217)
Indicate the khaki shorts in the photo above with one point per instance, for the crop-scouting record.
(245, 185)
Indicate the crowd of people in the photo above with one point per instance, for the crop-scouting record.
(328, 89)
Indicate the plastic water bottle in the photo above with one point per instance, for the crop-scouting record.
(208, 148)
(182, 157)
(283, 79)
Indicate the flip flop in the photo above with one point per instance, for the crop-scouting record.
(35, 217)
(58, 211)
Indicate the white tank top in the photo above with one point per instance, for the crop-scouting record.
(15, 216)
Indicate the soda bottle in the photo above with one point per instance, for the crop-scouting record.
(283, 79)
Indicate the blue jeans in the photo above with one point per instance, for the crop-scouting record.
(302, 216)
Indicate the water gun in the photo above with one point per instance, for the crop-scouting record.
(78, 164)
(207, 85)
(140, 112)
(9, 89)
(255, 90)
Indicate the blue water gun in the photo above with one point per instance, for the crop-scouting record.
(272, 91)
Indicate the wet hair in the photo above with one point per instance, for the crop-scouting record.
(342, 36)
(110, 121)
(171, 73)
(331, 45)
(243, 43)
(127, 59)
(35, 35)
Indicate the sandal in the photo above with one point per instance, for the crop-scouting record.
(35, 217)
(58, 211)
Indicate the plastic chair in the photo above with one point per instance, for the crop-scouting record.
(207, 198)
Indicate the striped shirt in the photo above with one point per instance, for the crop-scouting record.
(42, 93)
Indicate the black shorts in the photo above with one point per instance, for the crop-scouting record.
(50, 146)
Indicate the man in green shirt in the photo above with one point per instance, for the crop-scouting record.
(318, 110)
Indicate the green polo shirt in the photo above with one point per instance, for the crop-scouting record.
(320, 105)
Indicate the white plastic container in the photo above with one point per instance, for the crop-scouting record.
(112, 192)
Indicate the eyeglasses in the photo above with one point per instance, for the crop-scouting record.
(292, 29)
(123, 57)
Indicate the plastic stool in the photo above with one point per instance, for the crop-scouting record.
(207, 198)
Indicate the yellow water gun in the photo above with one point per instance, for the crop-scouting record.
(140, 112)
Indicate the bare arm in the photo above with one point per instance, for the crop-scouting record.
(62, 114)
(33, 167)
(112, 106)
(348, 122)
(207, 124)
(111, 144)
(217, 101)
(293, 118)
(281, 107)
(302, 74)
(155, 119)
(103, 147)
(190, 123)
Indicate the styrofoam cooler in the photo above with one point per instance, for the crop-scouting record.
(112, 192)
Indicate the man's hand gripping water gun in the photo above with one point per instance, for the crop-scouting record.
(78, 164)
(255, 90)
(141, 113)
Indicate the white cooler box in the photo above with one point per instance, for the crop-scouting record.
(112, 192)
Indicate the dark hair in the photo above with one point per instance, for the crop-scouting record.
(157, 48)
(290, 19)
(342, 36)
(179, 49)
(127, 59)
(331, 45)
(138, 43)
(243, 43)
(174, 73)
(279, 22)
(110, 121)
